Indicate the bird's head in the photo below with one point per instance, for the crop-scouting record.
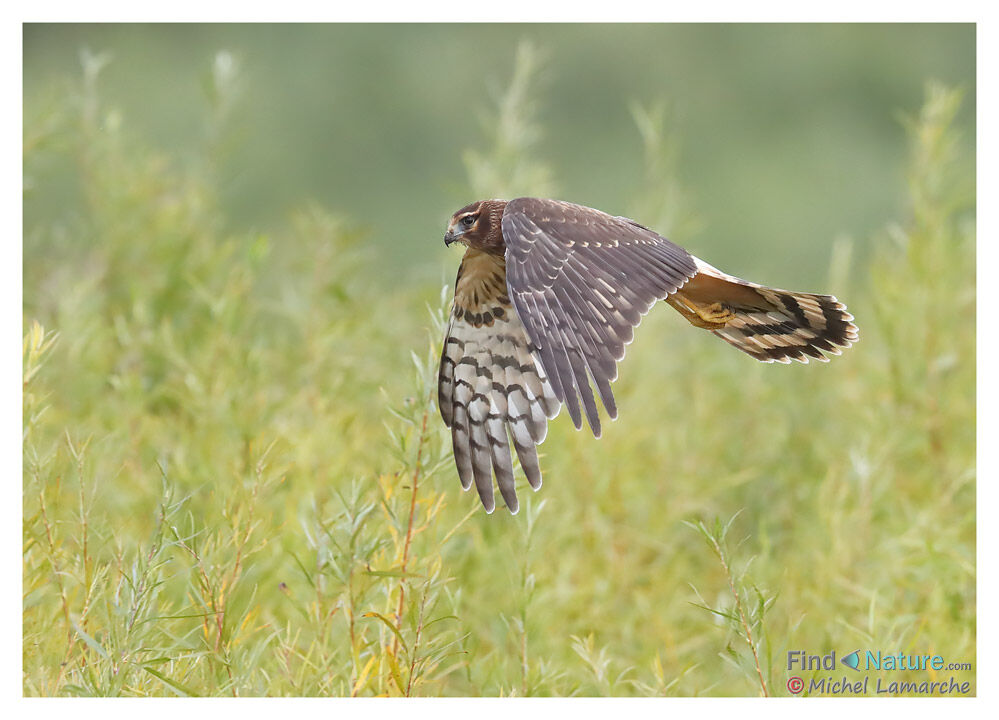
(478, 225)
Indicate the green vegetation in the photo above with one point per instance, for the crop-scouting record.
(236, 481)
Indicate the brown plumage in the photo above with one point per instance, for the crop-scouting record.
(547, 296)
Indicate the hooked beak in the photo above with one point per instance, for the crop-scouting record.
(450, 237)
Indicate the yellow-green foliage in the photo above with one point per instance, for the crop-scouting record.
(236, 481)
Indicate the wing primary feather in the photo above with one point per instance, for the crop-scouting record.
(577, 363)
(502, 464)
(587, 348)
(460, 440)
(528, 455)
(554, 356)
(531, 310)
(480, 466)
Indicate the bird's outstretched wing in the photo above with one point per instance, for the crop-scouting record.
(490, 384)
(580, 281)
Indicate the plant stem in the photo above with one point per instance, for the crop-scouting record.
(742, 615)
(412, 513)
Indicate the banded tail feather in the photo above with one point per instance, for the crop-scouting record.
(770, 324)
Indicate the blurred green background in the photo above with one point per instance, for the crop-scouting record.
(236, 481)
(371, 121)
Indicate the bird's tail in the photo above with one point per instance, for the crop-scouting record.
(771, 325)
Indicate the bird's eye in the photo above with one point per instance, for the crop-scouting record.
(468, 221)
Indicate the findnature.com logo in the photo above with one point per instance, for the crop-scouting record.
(874, 661)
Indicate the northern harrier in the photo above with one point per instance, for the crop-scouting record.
(547, 296)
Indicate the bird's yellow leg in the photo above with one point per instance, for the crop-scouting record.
(709, 316)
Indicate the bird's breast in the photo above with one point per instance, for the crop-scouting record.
(480, 294)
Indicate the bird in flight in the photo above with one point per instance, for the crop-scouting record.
(547, 296)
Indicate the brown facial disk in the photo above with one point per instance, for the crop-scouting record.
(478, 226)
